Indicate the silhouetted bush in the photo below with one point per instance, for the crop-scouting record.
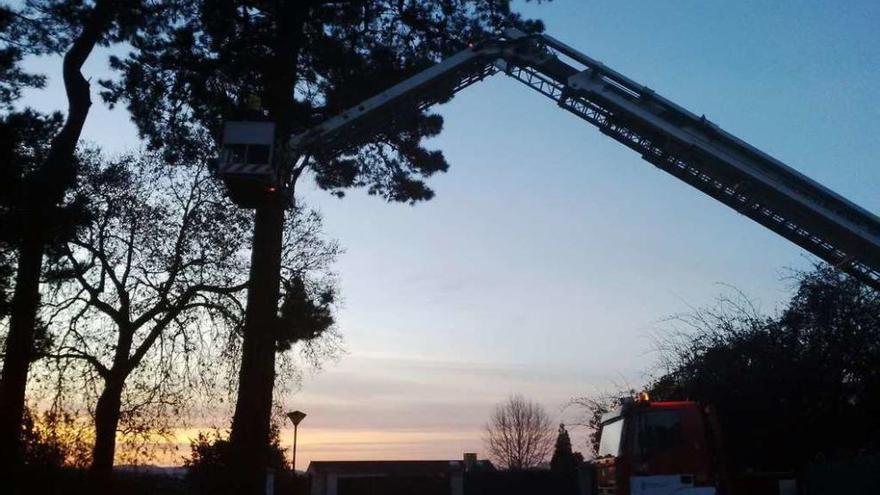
(209, 466)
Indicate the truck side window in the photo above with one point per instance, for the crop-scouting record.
(235, 154)
(658, 431)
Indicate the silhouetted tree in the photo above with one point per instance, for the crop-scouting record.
(159, 274)
(564, 459)
(26, 136)
(72, 28)
(13, 79)
(565, 462)
(157, 262)
(790, 387)
(301, 62)
(519, 434)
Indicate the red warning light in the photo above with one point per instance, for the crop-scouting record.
(271, 189)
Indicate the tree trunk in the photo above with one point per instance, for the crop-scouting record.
(250, 425)
(104, 450)
(107, 414)
(19, 351)
(253, 408)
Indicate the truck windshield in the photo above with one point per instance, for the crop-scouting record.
(658, 431)
(609, 442)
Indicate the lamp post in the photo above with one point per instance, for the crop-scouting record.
(295, 418)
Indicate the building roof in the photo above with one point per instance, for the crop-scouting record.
(409, 468)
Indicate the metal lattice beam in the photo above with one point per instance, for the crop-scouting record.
(676, 141)
(690, 170)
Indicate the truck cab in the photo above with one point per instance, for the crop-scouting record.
(656, 448)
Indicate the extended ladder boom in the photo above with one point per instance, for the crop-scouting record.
(675, 140)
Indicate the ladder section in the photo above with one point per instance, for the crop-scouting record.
(666, 135)
(699, 153)
(380, 113)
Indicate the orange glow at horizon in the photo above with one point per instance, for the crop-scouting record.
(328, 444)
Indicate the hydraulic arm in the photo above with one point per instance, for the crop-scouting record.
(673, 139)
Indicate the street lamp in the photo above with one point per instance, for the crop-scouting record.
(295, 418)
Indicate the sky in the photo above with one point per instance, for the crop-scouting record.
(551, 255)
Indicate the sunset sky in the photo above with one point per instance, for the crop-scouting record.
(551, 255)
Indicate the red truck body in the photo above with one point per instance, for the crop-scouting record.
(652, 448)
(672, 447)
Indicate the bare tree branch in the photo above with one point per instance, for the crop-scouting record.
(519, 434)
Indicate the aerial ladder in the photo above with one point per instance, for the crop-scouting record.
(687, 146)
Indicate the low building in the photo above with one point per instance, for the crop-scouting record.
(393, 477)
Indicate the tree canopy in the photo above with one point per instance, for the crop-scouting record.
(13, 46)
(219, 62)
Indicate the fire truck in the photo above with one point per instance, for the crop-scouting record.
(671, 447)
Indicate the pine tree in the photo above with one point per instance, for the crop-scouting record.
(564, 460)
(301, 62)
